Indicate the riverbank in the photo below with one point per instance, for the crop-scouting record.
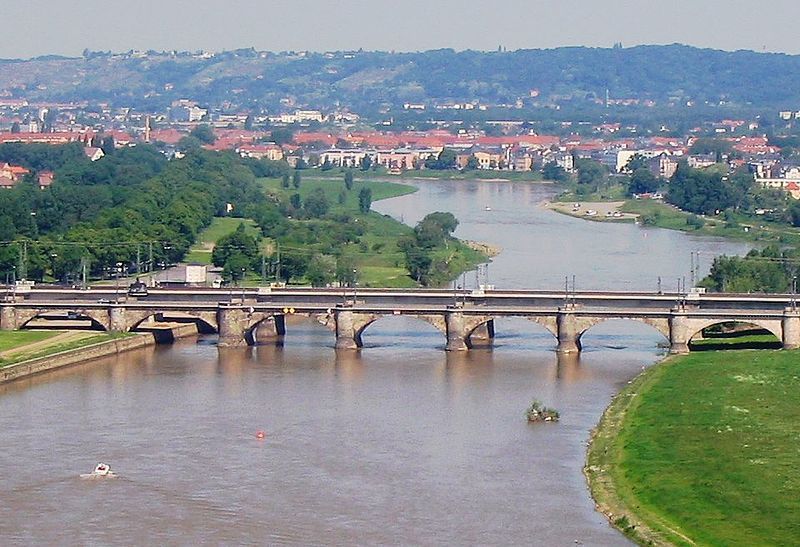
(702, 449)
(659, 214)
(26, 353)
(377, 257)
(79, 351)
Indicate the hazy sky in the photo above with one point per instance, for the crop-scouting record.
(38, 27)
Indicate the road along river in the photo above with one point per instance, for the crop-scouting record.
(400, 443)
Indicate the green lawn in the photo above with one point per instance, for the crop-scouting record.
(10, 339)
(58, 348)
(741, 227)
(703, 449)
(221, 226)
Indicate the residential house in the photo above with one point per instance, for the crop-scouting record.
(93, 153)
(270, 151)
(663, 165)
(12, 172)
(45, 179)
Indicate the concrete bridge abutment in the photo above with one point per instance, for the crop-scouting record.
(569, 335)
(8, 318)
(791, 328)
(679, 332)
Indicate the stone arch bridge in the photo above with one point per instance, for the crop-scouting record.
(465, 319)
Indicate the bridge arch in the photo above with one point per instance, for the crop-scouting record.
(362, 322)
(206, 321)
(587, 323)
(772, 326)
(98, 318)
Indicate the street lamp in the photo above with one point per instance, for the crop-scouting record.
(355, 287)
(794, 293)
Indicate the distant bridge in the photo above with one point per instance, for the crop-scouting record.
(465, 318)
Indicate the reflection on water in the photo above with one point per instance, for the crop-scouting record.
(400, 443)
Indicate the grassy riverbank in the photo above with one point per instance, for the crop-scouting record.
(18, 346)
(702, 449)
(377, 257)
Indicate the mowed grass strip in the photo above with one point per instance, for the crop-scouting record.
(12, 339)
(707, 451)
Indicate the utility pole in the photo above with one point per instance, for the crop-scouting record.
(138, 259)
(150, 259)
(23, 261)
(278, 271)
(263, 270)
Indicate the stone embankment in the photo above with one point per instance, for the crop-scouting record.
(54, 361)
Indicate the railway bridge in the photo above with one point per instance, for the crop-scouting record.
(466, 319)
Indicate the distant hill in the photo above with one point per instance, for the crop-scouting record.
(673, 74)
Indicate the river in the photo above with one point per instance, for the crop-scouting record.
(401, 443)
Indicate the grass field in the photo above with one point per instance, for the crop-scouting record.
(703, 450)
(200, 253)
(20, 339)
(15, 338)
(666, 216)
(379, 261)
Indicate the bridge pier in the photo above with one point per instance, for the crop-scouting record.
(233, 323)
(347, 337)
(456, 337)
(8, 318)
(270, 330)
(569, 338)
(791, 329)
(482, 336)
(679, 332)
(116, 319)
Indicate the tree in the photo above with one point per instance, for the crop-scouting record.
(203, 133)
(718, 147)
(643, 181)
(637, 161)
(445, 160)
(296, 201)
(15, 128)
(321, 270)
(108, 146)
(248, 123)
(326, 165)
(285, 181)
(364, 200)
(317, 204)
(472, 163)
(282, 135)
(435, 229)
(296, 179)
(553, 171)
(366, 162)
(236, 244)
(348, 179)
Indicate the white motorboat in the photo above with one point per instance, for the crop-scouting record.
(101, 471)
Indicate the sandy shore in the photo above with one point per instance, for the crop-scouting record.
(600, 210)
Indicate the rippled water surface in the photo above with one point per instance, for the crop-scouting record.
(400, 443)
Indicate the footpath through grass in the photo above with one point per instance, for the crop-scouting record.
(24, 345)
(704, 449)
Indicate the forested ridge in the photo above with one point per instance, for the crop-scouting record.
(364, 80)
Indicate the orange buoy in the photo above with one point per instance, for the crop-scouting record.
(260, 434)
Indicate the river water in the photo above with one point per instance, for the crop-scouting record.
(401, 443)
